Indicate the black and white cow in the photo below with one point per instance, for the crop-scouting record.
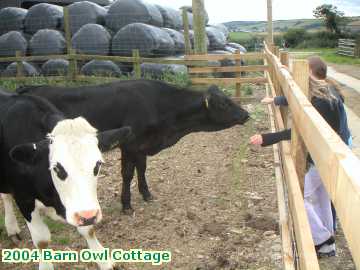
(158, 113)
(50, 164)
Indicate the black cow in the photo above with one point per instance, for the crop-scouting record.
(50, 163)
(159, 114)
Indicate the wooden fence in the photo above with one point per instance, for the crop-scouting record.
(337, 165)
(349, 47)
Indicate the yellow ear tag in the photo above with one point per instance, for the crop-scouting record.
(206, 103)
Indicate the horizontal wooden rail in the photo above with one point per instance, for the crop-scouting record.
(34, 58)
(228, 81)
(220, 57)
(201, 70)
(337, 165)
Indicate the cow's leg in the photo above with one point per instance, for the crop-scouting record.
(11, 223)
(40, 236)
(127, 171)
(88, 232)
(141, 170)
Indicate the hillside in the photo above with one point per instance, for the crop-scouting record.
(280, 26)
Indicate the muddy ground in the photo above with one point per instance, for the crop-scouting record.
(216, 206)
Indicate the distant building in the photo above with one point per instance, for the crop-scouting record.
(29, 3)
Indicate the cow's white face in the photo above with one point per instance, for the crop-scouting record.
(75, 160)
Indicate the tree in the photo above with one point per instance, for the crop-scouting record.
(332, 16)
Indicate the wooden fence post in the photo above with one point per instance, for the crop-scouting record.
(357, 47)
(188, 49)
(73, 69)
(19, 64)
(67, 30)
(238, 85)
(198, 9)
(285, 60)
(298, 149)
(270, 38)
(137, 63)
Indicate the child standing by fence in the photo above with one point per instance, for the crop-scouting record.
(329, 103)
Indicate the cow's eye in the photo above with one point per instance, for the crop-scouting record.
(97, 168)
(60, 171)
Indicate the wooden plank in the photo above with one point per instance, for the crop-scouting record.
(198, 10)
(220, 57)
(284, 227)
(304, 242)
(255, 68)
(228, 81)
(301, 75)
(337, 165)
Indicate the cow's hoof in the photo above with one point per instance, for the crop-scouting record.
(16, 239)
(128, 211)
(149, 198)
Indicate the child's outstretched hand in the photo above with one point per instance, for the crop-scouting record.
(256, 139)
(267, 100)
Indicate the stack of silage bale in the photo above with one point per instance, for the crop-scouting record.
(117, 30)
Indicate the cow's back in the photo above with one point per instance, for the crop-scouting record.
(137, 103)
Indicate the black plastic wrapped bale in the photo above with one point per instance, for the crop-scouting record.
(223, 29)
(28, 70)
(178, 39)
(237, 47)
(158, 71)
(47, 42)
(216, 37)
(55, 67)
(124, 12)
(44, 16)
(12, 19)
(92, 39)
(148, 39)
(85, 12)
(101, 68)
(11, 42)
(172, 18)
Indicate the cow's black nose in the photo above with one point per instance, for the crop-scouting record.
(87, 221)
(86, 218)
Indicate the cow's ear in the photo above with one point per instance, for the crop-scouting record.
(114, 137)
(26, 153)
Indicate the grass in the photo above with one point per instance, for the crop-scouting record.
(329, 55)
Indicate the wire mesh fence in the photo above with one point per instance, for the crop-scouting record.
(119, 30)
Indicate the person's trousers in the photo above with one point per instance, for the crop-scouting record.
(318, 207)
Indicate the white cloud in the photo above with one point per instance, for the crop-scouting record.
(255, 10)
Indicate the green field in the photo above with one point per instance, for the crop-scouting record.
(281, 25)
(329, 55)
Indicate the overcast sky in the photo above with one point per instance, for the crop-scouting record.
(255, 10)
